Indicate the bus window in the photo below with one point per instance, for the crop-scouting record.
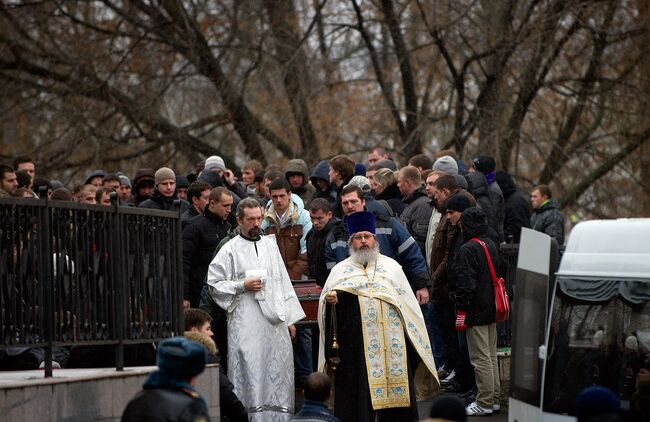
(597, 343)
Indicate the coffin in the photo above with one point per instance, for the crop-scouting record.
(308, 293)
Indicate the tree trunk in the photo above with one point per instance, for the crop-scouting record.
(289, 52)
(412, 145)
(495, 93)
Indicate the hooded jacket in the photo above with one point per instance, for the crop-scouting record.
(474, 290)
(321, 172)
(548, 219)
(141, 176)
(95, 173)
(416, 215)
(307, 190)
(291, 236)
(481, 191)
(517, 210)
(211, 177)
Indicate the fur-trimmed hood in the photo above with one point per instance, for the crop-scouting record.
(203, 340)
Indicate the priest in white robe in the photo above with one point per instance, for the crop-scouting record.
(368, 309)
(248, 279)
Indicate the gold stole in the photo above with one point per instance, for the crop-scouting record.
(385, 353)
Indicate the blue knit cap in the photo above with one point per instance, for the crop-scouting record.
(596, 400)
(180, 357)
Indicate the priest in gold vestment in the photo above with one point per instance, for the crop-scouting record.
(369, 306)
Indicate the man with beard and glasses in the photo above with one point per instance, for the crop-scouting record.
(369, 306)
(249, 280)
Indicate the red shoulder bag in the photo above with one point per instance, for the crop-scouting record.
(501, 299)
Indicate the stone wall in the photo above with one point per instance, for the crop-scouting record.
(84, 394)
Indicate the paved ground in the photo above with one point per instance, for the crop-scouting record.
(502, 416)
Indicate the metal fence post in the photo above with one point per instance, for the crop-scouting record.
(117, 258)
(180, 317)
(47, 278)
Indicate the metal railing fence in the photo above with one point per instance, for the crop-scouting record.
(74, 274)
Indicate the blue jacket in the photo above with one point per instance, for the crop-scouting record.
(394, 242)
(315, 411)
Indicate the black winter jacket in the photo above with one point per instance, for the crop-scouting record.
(188, 215)
(159, 202)
(474, 290)
(338, 210)
(162, 405)
(548, 219)
(416, 215)
(232, 409)
(200, 239)
(517, 208)
(316, 248)
(393, 196)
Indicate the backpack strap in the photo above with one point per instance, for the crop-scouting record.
(487, 256)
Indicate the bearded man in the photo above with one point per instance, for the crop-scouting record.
(369, 306)
(249, 281)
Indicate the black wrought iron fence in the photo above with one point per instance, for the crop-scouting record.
(509, 254)
(73, 274)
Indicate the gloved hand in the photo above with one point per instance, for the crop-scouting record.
(460, 321)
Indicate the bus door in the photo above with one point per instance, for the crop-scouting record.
(535, 267)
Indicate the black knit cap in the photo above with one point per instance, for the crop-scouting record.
(457, 202)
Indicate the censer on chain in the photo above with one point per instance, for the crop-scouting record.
(334, 345)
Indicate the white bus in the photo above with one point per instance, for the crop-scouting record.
(586, 324)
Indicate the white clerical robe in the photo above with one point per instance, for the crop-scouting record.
(260, 356)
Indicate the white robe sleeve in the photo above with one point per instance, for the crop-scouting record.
(293, 310)
(225, 290)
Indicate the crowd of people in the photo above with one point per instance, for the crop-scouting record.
(390, 247)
